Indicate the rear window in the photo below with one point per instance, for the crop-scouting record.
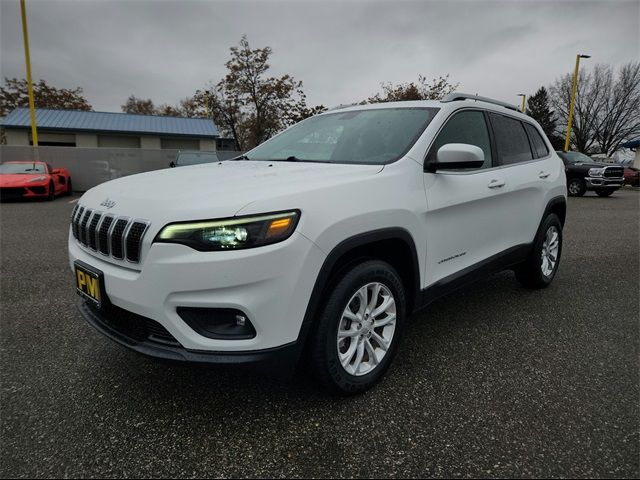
(539, 147)
(512, 142)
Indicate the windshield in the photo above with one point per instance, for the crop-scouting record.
(362, 136)
(195, 158)
(576, 157)
(26, 168)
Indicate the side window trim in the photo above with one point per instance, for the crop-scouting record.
(534, 153)
(492, 140)
(489, 132)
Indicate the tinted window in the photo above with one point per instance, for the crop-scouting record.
(539, 147)
(511, 140)
(465, 127)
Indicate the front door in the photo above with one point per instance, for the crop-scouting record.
(468, 210)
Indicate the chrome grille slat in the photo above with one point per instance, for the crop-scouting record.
(117, 236)
(103, 234)
(91, 230)
(76, 223)
(133, 241)
(83, 226)
(113, 236)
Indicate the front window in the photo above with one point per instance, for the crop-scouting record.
(26, 168)
(375, 137)
(576, 157)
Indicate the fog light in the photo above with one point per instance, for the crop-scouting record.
(218, 323)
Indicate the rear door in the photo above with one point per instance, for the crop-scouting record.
(467, 209)
(529, 169)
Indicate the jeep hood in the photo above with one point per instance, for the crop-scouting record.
(216, 190)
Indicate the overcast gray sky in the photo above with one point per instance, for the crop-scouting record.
(342, 51)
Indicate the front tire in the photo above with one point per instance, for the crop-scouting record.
(542, 265)
(576, 187)
(52, 193)
(605, 193)
(359, 328)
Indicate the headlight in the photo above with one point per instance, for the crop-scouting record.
(37, 179)
(596, 172)
(233, 233)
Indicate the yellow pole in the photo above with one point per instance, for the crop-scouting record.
(574, 89)
(27, 59)
(524, 97)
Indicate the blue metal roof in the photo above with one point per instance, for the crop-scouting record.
(108, 122)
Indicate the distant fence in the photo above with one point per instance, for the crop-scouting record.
(91, 166)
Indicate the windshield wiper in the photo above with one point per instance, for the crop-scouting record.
(292, 158)
(241, 157)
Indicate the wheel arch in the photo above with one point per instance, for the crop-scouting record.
(393, 245)
(557, 205)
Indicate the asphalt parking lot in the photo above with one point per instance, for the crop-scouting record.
(493, 381)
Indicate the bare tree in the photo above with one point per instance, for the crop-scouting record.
(607, 108)
(139, 105)
(620, 117)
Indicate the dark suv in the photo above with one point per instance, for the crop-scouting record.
(584, 174)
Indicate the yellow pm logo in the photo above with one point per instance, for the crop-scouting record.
(88, 284)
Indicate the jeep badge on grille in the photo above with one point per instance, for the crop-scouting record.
(108, 203)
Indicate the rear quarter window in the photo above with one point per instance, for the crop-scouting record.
(539, 146)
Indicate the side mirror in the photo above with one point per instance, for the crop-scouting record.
(56, 171)
(457, 155)
(172, 164)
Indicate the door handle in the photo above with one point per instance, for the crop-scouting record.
(496, 183)
(543, 174)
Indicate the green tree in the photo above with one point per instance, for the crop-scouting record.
(13, 94)
(539, 109)
(420, 90)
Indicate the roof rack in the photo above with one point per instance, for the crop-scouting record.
(455, 96)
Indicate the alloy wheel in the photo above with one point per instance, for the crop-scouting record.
(550, 248)
(366, 329)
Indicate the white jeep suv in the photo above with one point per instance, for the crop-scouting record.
(323, 239)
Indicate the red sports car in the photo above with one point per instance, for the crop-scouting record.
(632, 176)
(33, 180)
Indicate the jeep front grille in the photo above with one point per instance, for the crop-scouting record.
(113, 236)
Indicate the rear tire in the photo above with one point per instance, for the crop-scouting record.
(576, 187)
(69, 187)
(605, 193)
(356, 340)
(540, 268)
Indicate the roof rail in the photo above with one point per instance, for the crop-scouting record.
(452, 97)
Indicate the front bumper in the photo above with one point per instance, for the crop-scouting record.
(135, 336)
(603, 182)
(16, 193)
(271, 285)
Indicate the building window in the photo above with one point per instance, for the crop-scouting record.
(118, 141)
(179, 144)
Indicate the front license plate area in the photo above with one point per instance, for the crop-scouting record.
(89, 283)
